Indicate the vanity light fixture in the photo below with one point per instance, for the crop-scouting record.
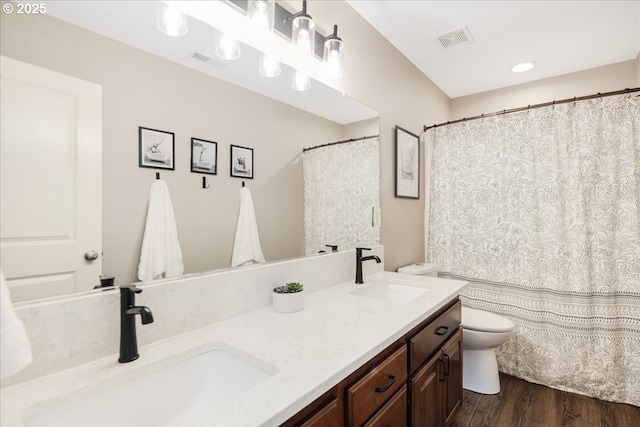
(333, 53)
(171, 21)
(227, 47)
(522, 67)
(269, 67)
(262, 13)
(301, 81)
(303, 30)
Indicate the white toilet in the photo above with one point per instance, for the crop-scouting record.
(482, 333)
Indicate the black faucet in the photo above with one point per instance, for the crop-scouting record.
(359, 259)
(128, 311)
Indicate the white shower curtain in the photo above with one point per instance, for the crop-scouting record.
(341, 195)
(540, 210)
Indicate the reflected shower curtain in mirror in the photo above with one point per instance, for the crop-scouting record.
(540, 210)
(341, 195)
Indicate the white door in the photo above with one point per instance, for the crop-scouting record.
(51, 181)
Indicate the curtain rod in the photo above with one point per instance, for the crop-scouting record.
(528, 107)
(340, 142)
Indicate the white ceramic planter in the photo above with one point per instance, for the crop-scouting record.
(288, 303)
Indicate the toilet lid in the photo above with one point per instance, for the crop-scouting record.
(485, 321)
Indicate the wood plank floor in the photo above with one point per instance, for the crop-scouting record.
(523, 404)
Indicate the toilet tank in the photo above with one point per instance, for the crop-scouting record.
(420, 269)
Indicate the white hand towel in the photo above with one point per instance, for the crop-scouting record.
(15, 351)
(246, 249)
(160, 252)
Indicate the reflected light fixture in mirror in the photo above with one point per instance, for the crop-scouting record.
(301, 81)
(262, 13)
(333, 53)
(171, 21)
(303, 31)
(227, 47)
(269, 67)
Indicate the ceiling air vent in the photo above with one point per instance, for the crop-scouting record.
(200, 57)
(456, 37)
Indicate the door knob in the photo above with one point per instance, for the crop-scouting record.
(91, 255)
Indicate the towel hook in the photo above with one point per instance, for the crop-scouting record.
(243, 183)
(204, 182)
(157, 175)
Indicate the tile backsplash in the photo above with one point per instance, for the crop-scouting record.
(73, 331)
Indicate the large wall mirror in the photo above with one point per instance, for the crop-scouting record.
(177, 85)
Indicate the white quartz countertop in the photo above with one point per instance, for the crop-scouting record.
(308, 351)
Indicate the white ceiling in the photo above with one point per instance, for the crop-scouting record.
(560, 36)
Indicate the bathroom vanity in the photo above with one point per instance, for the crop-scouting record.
(385, 351)
(415, 381)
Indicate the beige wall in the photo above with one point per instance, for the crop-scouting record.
(378, 75)
(603, 79)
(638, 70)
(143, 90)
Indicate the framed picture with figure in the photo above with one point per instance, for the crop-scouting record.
(407, 164)
(204, 156)
(241, 162)
(156, 148)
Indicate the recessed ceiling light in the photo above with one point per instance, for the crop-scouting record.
(522, 67)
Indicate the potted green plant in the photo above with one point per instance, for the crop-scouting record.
(288, 298)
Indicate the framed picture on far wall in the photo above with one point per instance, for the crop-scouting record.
(241, 162)
(156, 149)
(407, 164)
(204, 156)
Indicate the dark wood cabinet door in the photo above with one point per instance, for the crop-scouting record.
(424, 394)
(327, 416)
(452, 394)
(393, 413)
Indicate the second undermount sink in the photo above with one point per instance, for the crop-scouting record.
(391, 292)
(176, 391)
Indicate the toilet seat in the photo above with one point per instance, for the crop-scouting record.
(485, 321)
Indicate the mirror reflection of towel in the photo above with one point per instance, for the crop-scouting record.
(15, 351)
(160, 253)
(246, 248)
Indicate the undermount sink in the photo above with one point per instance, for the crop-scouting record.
(391, 292)
(176, 391)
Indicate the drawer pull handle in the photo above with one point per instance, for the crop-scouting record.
(442, 330)
(385, 387)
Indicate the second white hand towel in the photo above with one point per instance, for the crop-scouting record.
(246, 248)
(161, 253)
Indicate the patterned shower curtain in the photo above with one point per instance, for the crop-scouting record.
(540, 211)
(341, 195)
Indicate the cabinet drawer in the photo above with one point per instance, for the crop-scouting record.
(366, 396)
(393, 413)
(428, 340)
